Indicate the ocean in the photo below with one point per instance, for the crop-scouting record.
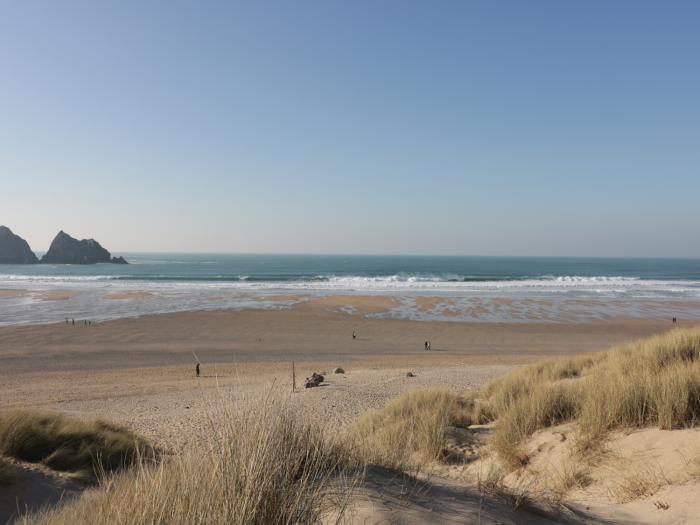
(158, 283)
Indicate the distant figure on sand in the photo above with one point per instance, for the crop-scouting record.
(674, 320)
(426, 346)
(196, 369)
(354, 334)
(72, 322)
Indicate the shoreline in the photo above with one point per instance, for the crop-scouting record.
(25, 307)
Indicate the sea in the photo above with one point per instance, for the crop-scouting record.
(484, 289)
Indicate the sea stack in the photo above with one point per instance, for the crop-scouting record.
(68, 250)
(14, 249)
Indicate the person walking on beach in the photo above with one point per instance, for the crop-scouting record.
(72, 322)
(354, 334)
(426, 346)
(196, 369)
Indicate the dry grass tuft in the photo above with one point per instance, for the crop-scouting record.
(259, 467)
(67, 444)
(630, 486)
(491, 483)
(570, 477)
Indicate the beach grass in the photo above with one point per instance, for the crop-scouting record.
(411, 430)
(260, 467)
(68, 444)
(653, 382)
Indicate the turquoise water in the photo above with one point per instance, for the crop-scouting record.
(316, 268)
(178, 282)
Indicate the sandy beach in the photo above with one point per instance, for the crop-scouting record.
(140, 371)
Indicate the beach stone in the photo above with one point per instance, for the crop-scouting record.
(410, 374)
(338, 371)
(14, 249)
(65, 249)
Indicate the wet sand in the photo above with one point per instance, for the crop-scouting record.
(312, 331)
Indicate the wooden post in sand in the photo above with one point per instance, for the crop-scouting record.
(294, 379)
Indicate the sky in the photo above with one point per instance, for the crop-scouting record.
(393, 127)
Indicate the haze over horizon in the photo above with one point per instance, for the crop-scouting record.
(477, 128)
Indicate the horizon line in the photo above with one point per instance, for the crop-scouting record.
(436, 255)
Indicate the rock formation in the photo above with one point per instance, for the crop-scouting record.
(14, 249)
(67, 250)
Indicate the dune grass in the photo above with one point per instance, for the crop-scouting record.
(260, 467)
(68, 444)
(653, 382)
(412, 429)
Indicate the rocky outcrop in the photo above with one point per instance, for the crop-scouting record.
(67, 250)
(14, 249)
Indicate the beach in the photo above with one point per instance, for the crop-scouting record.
(140, 371)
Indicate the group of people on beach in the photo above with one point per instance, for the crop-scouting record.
(72, 322)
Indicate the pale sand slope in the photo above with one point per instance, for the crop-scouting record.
(638, 476)
(139, 372)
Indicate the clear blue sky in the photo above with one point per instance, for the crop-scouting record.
(543, 127)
